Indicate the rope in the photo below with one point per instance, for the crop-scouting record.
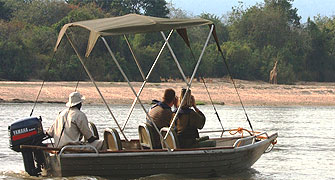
(238, 94)
(241, 130)
(46, 77)
(76, 86)
(238, 130)
(269, 149)
(217, 115)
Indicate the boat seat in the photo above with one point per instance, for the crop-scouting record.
(112, 139)
(93, 129)
(171, 140)
(146, 133)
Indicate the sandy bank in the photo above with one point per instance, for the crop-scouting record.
(221, 90)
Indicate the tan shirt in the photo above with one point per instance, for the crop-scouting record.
(76, 125)
(160, 116)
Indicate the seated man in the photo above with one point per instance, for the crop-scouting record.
(161, 113)
(188, 122)
(71, 124)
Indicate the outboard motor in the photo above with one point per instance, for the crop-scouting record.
(28, 131)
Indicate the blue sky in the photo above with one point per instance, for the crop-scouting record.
(306, 8)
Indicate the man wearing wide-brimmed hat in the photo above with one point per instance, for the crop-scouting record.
(71, 124)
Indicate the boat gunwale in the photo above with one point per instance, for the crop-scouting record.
(204, 150)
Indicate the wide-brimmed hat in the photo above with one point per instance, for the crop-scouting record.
(74, 99)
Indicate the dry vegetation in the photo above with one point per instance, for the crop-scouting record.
(221, 90)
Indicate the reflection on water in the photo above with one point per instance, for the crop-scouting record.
(305, 148)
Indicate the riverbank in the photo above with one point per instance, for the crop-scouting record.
(253, 93)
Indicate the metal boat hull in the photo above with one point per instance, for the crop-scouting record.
(205, 162)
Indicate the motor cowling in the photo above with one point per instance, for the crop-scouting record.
(28, 131)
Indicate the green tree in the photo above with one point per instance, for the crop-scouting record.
(261, 27)
(87, 12)
(17, 57)
(221, 29)
(238, 57)
(286, 8)
(156, 8)
(79, 36)
(272, 30)
(42, 12)
(317, 57)
(5, 12)
(327, 26)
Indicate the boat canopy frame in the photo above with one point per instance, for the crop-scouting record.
(141, 24)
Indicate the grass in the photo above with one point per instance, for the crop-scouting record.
(200, 103)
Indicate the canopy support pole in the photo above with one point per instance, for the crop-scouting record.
(190, 82)
(91, 77)
(135, 59)
(131, 86)
(174, 58)
(145, 80)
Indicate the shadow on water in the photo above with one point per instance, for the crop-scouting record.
(11, 175)
(245, 175)
(248, 174)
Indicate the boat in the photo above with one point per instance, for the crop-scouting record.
(134, 158)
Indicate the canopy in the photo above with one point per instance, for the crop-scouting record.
(128, 24)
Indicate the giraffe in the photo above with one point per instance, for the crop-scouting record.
(273, 74)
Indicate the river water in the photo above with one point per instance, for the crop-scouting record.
(305, 148)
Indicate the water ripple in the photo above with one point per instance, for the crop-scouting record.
(304, 150)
